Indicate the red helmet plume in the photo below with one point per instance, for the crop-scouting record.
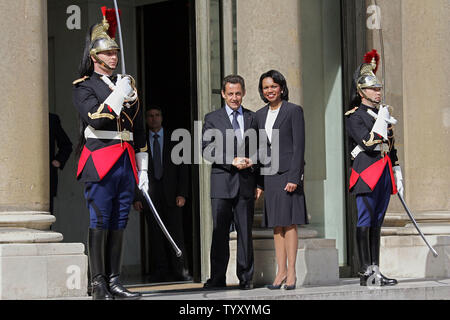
(369, 56)
(110, 15)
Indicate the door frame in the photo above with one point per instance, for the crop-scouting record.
(353, 17)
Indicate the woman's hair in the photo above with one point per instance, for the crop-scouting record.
(277, 78)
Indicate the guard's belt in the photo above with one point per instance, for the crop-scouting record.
(125, 135)
(359, 149)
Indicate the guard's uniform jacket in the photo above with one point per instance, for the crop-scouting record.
(370, 163)
(100, 155)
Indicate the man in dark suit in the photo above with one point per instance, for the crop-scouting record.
(233, 182)
(57, 138)
(169, 187)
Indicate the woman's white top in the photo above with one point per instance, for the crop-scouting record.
(270, 120)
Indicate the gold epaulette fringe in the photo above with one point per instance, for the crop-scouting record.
(351, 111)
(80, 80)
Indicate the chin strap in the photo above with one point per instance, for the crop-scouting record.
(103, 63)
(375, 103)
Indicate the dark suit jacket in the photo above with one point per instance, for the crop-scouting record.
(359, 124)
(226, 180)
(291, 125)
(59, 138)
(175, 179)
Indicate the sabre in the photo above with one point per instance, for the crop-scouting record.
(161, 224)
(415, 224)
(122, 55)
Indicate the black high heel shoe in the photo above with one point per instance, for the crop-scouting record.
(291, 287)
(276, 287)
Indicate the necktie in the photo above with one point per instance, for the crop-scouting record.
(236, 127)
(157, 163)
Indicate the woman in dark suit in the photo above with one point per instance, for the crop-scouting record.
(284, 199)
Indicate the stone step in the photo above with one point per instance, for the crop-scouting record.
(32, 219)
(401, 219)
(24, 235)
(42, 270)
(347, 289)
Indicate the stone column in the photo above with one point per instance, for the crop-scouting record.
(24, 187)
(416, 44)
(269, 37)
(28, 269)
(202, 9)
(259, 46)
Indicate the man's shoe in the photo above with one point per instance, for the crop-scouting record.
(245, 285)
(119, 292)
(96, 243)
(387, 281)
(100, 289)
(113, 263)
(363, 277)
(210, 284)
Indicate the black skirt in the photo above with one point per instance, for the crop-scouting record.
(282, 208)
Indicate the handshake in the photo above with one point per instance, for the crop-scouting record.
(383, 120)
(123, 93)
(242, 163)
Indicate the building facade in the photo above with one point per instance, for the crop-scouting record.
(178, 51)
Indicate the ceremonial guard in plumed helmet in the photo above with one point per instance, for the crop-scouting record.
(374, 173)
(112, 154)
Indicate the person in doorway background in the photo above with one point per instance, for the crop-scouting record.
(169, 188)
(58, 157)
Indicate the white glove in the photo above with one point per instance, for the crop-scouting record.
(124, 85)
(131, 94)
(381, 125)
(143, 180)
(142, 165)
(390, 119)
(116, 99)
(398, 179)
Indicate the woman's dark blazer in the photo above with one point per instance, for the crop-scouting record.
(291, 125)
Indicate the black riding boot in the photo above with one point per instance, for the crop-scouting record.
(375, 239)
(113, 266)
(362, 241)
(96, 253)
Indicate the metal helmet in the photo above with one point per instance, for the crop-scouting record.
(367, 77)
(102, 36)
(364, 77)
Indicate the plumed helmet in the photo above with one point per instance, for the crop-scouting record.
(103, 34)
(364, 77)
(367, 77)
